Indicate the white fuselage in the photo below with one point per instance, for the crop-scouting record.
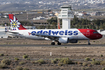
(70, 33)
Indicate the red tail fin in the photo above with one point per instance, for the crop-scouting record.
(15, 24)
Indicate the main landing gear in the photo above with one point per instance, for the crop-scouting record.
(89, 42)
(59, 43)
(53, 43)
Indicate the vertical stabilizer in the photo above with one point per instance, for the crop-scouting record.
(15, 24)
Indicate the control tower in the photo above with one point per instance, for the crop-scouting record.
(66, 14)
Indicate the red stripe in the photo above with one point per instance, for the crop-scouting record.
(21, 27)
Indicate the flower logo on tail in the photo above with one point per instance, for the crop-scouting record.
(14, 23)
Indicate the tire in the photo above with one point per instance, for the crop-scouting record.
(59, 43)
(89, 44)
(53, 43)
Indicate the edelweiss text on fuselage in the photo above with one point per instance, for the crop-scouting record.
(53, 32)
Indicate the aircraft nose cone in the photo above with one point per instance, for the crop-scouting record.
(99, 36)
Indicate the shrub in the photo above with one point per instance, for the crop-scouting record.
(1, 54)
(93, 59)
(53, 61)
(101, 55)
(66, 61)
(60, 64)
(21, 63)
(19, 68)
(103, 68)
(16, 59)
(87, 59)
(41, 61)
(2, 66)
(6, 62)
(25, 56)
(95, 62)
(85, 64)
(56, 59)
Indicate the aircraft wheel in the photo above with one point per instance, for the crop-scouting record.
(53, 43)
(89, 43)
(59, 43)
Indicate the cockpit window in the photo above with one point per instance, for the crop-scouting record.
(95, 32)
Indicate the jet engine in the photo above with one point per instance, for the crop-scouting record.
(63, 40)
(66, 40)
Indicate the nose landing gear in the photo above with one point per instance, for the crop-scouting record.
(89, 42)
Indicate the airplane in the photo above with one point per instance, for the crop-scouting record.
(56, 35)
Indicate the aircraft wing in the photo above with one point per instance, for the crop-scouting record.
(52, 37)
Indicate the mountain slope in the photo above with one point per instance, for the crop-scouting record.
(17, 7)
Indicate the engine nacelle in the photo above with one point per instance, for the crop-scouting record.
(73, 41)
(63, 40)
(66, 40)
(46, 38)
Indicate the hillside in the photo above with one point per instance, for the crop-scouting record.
(17, 7)
(31, 5)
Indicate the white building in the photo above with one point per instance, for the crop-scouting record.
(39, 18)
